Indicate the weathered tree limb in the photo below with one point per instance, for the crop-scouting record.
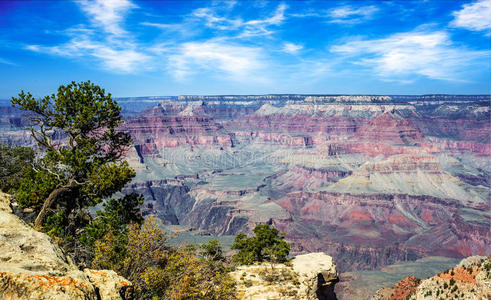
(52, 198)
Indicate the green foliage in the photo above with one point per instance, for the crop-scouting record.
(34, 188)
(54, 224)
(212, 250)
(116, 215)
(267, 245)
(160, 271)
(82, 150)
(15, 162)
(80, 164)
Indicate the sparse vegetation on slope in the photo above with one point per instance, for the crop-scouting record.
(466, 281)
(163, 272)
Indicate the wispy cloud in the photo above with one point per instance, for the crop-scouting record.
(403, 55)
(237, 62)
(247, 28)
(474, 16)
(350, 15)
(291, 48)
(213, 20)
(7, 62)
(108, 14)
(113, 47)
(121, 59)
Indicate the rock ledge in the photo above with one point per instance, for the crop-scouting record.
(32, 266)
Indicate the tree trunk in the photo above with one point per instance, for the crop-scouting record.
(38, 223)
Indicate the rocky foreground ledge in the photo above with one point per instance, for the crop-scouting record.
(32, 266)
(309, 276)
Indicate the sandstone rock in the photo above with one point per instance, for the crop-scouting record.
(471, 260)
(107, 282)
(33, 267)
(310, 276)
(318, 273)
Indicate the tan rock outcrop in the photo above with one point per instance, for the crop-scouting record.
(307, 277)
(32, 266)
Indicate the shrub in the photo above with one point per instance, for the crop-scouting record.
(267, 245)
(212, 250)
(160, 271)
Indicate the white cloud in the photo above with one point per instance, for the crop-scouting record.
(260, 27)
(7, 62)
(248, 28)
(402, 55)
(120, 59)
(236, 61)
(217, 22)
(349, 15)
(291, 48)
(474, 16)
(108, 14)
(106, 41)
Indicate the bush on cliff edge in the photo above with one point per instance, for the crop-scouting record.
(268, 244)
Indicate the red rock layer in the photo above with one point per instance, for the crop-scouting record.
(371, 228)
(404, 288)
(390, 128)
(165, 127)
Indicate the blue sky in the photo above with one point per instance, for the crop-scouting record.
(144, 48)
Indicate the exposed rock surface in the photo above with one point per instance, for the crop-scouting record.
(173, 125)
(33, 267)
(469, 280)
(310, 276)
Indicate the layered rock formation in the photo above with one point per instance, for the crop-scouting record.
(390, 127)
(308, 277)
(371, 179)
(33, 267)
(171, 125)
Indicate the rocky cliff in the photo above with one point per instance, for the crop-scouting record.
(308, 277)
(32, 266)
(173, 125)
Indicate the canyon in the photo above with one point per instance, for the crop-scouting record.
(369, 180)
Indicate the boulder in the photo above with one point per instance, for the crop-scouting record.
(319, 274)
(33, 266)
(307, 277)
